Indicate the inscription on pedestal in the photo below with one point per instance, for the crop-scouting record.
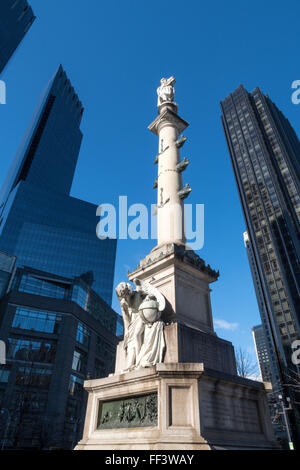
(231, 414)
(133, 412)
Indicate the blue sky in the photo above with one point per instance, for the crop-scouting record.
(115, 54)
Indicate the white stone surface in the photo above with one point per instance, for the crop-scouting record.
(170, 207)
(166, 92)
(144, 343)
(185, 287)
(194, 410)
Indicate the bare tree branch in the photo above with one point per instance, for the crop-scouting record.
(246, 367)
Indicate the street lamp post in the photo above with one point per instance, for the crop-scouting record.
(284, 410)
(7, 426)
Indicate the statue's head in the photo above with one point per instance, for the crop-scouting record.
(124, 289)
(138, 284)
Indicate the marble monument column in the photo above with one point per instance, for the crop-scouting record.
(170, 192)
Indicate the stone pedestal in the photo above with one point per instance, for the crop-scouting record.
(184, 279)
(184, 345)
(194, 399)
(176, 407)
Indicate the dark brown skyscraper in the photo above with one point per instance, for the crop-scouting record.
(265, 154)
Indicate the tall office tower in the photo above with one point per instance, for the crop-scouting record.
(16, 17)
(58, 332)
(262, 352)
(265, 153)
(40, 222)
(274, 375)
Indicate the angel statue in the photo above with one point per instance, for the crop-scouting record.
(143, 328)
(166, 92)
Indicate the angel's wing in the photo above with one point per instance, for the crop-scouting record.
(151, 290)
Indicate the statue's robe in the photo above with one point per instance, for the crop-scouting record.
(152, 350)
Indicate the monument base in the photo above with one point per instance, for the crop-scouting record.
(176, 407)
(184, 344)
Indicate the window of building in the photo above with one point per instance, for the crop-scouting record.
(4, 374)
(36, 403)
(79, 362)
(75, 385)
(83, 335)
(79, 295)
(33, 376)
(99, 369)
(31, 351)
(103, 349)
(4, 278)
(36, 320)
(46, 288)
(72, 409)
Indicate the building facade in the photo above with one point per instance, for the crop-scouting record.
(262, 352)
(265, 151)
(40, 222)
(16, 18)
(58, 332)
(7, 267)
(265, 361)
(270, 373)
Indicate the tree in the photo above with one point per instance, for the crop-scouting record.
(246, 367)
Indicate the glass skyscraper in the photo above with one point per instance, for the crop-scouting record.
(16, 17)
(269, 344)
(58, 332)
(265, 154)
(262, 352)
(7, 267)
(40, 222)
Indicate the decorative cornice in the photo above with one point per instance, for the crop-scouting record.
(181, 253)
(168, 117)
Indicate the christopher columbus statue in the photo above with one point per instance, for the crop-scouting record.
(166, 92)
